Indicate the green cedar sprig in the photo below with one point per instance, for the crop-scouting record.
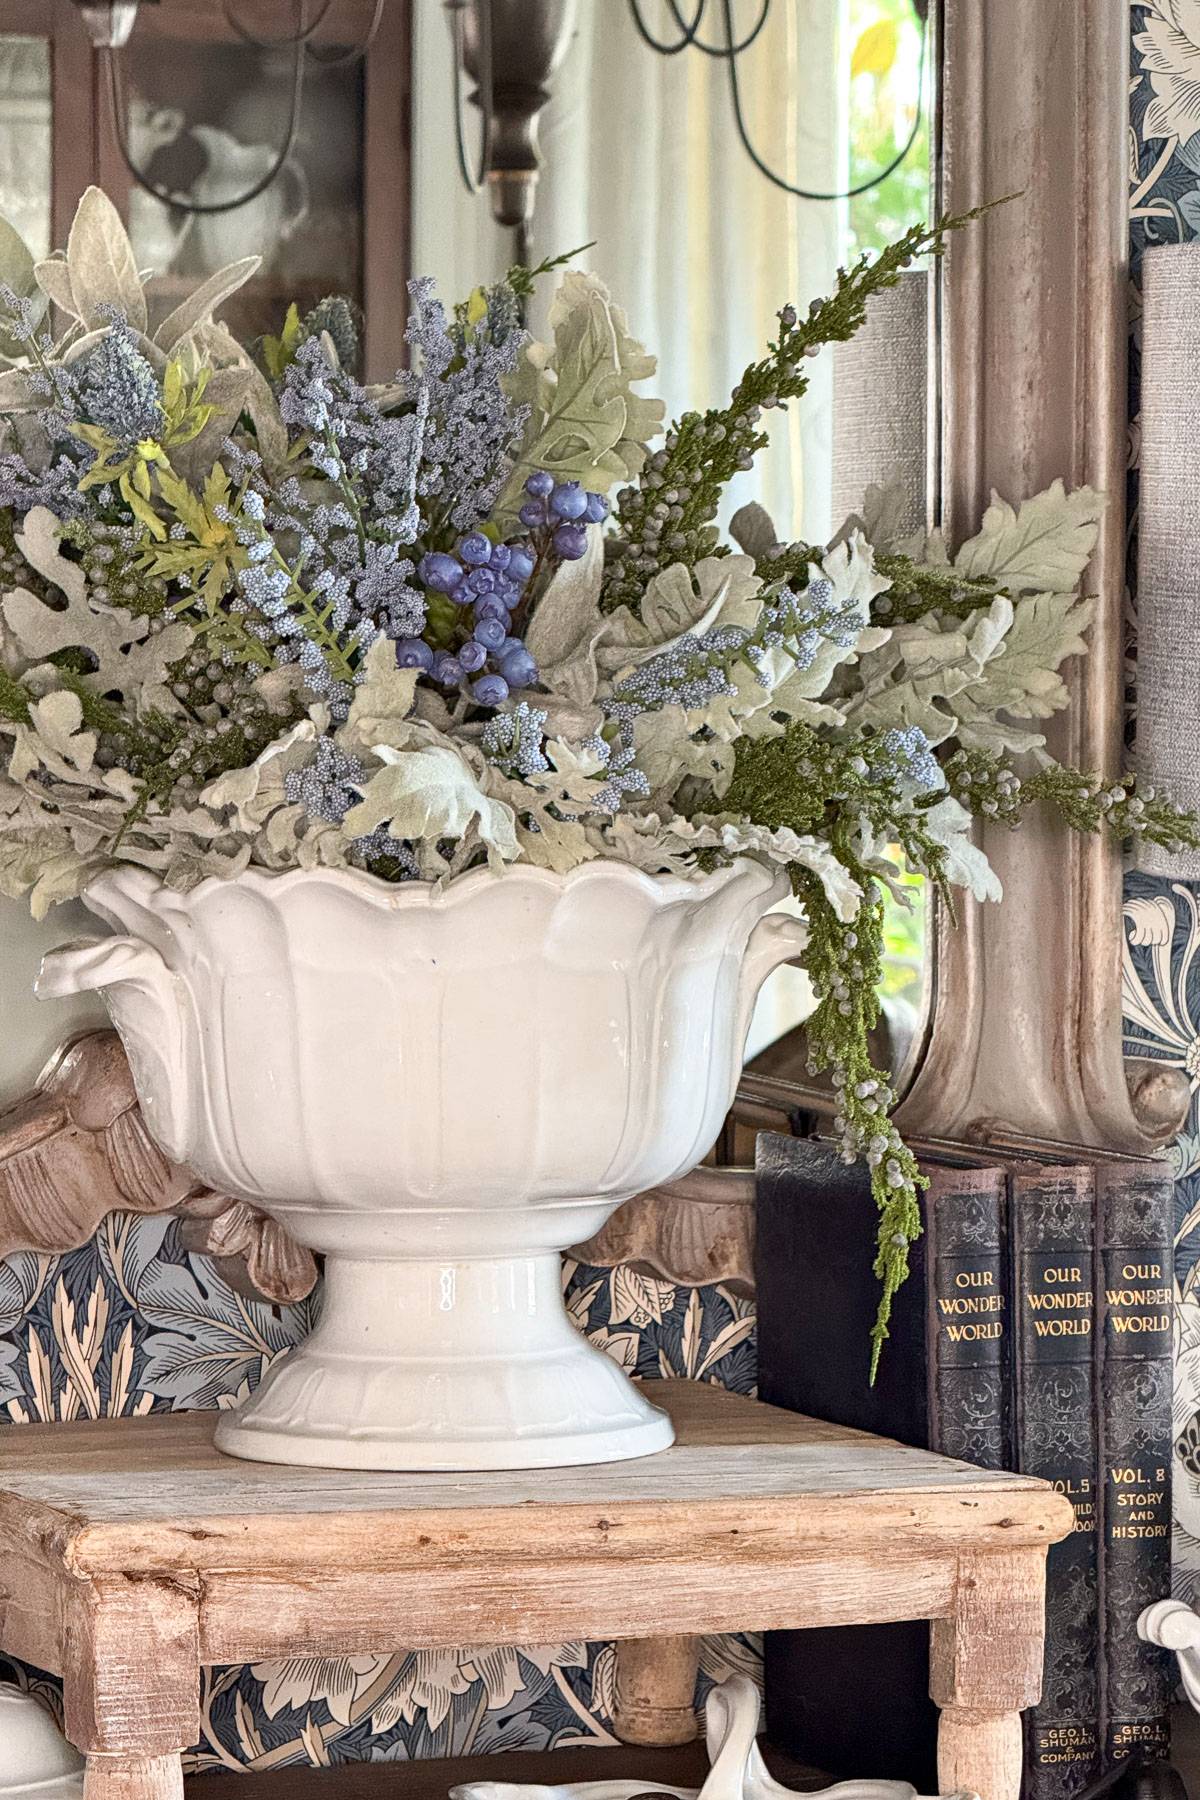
(14, 698)
(920, 588)
(523, 280)
(667, 517)
(844, 963)
(800, 780)
(990, 786)
(803, 781)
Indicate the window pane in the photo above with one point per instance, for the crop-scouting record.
(25, 165)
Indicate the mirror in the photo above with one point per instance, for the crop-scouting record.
(643, 153)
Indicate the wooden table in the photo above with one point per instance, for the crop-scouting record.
(132, 1553)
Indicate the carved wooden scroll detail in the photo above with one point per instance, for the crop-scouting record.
(695, 1230)
(77, 1149)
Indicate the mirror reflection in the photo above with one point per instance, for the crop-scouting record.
(674, 162)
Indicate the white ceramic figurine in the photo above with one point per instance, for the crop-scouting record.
(36, 1761)
(1175, 1626)
(737, 1770)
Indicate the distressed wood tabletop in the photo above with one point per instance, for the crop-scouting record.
(132, 1552)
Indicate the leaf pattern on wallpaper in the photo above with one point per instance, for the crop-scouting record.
(209, 1344)
(1162, 917)
(1161, 996)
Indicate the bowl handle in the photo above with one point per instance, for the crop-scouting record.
(145, 1000)
(93, 963)
(777, 939)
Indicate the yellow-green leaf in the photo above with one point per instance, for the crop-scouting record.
(95, 435)
(875, 51)
(216, 488)
(279, 351)
(172, 386)
(142, 509)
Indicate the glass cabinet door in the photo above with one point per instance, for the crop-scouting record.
(26, 111)
(208, 121)
(206, 109)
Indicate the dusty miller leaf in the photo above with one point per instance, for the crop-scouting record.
(381, 711)
(949, 824)
(428, 794)
(1040, 547)
(257, 791)
(850, 570)
(587, 424)
(129, 660)
(567, 625)
(721, 590)
(1021, 677)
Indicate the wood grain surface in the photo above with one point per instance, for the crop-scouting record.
(132, 1553)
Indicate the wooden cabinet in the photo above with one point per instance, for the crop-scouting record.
(207, 114)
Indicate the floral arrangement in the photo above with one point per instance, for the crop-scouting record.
(254, 612)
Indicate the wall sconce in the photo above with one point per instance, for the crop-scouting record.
(509, 49)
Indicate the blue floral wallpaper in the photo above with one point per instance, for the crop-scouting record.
(1162, 917)
(132, 1323)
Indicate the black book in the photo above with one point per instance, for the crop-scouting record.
(1135, 1296)
(942, 1385)
(1055, 1438)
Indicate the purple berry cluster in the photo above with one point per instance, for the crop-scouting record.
(489, 582)
(563, 510)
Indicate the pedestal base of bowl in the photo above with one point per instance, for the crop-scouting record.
(444, 1365)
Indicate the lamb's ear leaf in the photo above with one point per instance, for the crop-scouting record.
(17, 272)
(102, 264)
(54, 279)
(204, 302)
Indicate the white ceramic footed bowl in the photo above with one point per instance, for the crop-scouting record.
(440, 1088)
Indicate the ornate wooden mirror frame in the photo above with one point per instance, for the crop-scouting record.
(1022, 1039)
(1023, 1036)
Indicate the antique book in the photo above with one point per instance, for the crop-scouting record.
(1055, 1437)
(1135, 1295)
(942, 1384)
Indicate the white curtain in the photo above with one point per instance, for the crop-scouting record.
(641, 155)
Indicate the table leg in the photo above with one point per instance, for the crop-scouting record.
(980, 1753)
(985, 1665)
(133, 1777)
(656, 1690)
(131, 1685)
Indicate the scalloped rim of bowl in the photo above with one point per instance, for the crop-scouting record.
(444, 892)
